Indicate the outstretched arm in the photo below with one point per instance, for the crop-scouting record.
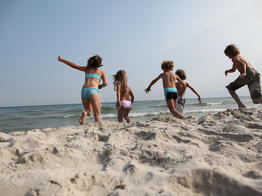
(199, 99)
(71, 64)
(104, 81)
(152, 83)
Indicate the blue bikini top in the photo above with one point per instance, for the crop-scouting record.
(93, 75)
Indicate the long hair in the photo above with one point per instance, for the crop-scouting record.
(120, 78)
(94, 62)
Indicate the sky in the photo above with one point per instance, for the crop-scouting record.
(132, 35)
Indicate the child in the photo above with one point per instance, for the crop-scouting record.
(182, 90)
(89, 92)
(248, 76)
(169, 84)
(125, 96)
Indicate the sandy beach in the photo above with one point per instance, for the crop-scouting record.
(215, 155)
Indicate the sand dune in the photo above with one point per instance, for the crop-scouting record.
(215, 155)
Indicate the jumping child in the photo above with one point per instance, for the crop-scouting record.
(125, 96)
(182, 90)
(248, 76)
(169, 79)
(90, 90)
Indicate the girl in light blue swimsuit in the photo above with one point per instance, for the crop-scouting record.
(90, 90)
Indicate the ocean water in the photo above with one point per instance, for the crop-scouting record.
(25, 118)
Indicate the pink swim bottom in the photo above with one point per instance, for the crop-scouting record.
(126, 104)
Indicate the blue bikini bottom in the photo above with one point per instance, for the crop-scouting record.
(86, 93)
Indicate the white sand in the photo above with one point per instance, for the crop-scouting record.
(216, 155)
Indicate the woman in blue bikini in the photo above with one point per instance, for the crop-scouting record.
(169, 83)
(89, 92)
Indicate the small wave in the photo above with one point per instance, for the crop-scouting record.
(108, 115)
(143, 114)
(72, 115)
(206, 104)
(132, 114)
(205, 110)
(215, 103)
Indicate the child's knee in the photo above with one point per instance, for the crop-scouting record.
(231, 91)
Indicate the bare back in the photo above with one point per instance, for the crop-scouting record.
(92, 81)
(169, 79)
(126, 94)
(240, 63)
(181, 88)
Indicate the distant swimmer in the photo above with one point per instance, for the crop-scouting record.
(90, 89)
(248, 76)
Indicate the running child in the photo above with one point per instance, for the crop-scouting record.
(124, 94)
(182, 90)
(248, 76)
(169, 79)
(90, 89)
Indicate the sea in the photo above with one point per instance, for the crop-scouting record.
(24, 118)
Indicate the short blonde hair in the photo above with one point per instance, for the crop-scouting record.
(167, 65)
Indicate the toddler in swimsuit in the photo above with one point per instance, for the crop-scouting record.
(182, 90)
(248, 76)
(125, 96)
(169, 84)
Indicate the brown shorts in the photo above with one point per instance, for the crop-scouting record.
(252, 80)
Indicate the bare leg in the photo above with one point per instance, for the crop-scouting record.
(236, 98)
(256, 101)
(86, 112)
(126, 115)
(171, 104)
(87, 106)
(95, 102)
(82, 119)
(120, 114)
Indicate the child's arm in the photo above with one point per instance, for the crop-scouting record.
(132, 96)
(199, 99)
(104, 81)
(152, 83)
(118, 96)
(233, 69)
(71, 64)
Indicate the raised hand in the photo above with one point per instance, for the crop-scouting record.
(60, 58)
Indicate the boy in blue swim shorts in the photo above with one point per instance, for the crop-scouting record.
(169, 79)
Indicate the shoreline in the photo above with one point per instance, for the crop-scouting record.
(218, 154)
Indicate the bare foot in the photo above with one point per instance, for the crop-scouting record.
(82, 119)
(241, 107)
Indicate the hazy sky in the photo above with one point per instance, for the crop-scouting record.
(134, 35)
